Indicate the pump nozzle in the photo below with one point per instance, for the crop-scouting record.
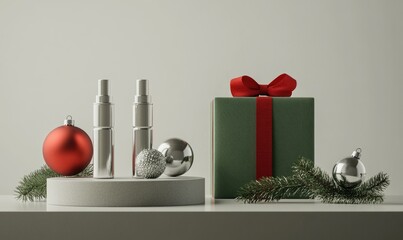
(103, 91)
(142, 92)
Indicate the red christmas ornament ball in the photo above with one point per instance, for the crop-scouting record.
(67, 150)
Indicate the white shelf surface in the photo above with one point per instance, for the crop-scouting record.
(219, 219)
(8, 203)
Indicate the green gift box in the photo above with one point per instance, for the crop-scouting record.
(235, 138)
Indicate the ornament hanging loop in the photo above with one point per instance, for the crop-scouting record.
(69, 121)
(357, 153)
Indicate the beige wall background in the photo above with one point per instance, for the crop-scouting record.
(346, 54)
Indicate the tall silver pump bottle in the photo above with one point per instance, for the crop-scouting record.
(142, 120)
(103, 132)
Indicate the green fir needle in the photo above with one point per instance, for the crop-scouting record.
(32, 187)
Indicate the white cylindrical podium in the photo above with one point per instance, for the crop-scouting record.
(125, 192)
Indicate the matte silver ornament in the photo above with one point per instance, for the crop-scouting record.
(349, 172)
(179, 156)
(150, 163)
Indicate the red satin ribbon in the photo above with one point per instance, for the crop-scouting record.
(245, 86)
(264, 137)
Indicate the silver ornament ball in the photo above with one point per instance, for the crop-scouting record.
(150, 163)
(179, 156)
(349, 172)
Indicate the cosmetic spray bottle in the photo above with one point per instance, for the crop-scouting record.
(142, 120)
(103, 132)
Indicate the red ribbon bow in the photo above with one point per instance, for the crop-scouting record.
(245, 86)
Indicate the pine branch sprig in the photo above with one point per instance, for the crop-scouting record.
(376, 183)
(272, 189)
(32, 187)
(308, 181)
(313, 178)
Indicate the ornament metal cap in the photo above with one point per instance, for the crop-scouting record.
(356, 153)
(69, 121)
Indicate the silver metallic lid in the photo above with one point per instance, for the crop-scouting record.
(142, 106)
